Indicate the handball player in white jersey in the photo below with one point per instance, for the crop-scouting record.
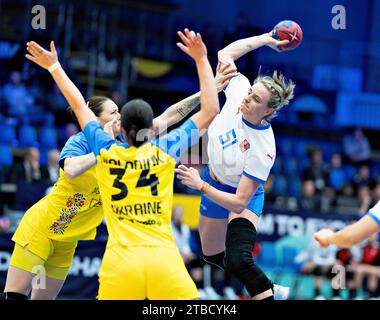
(241, 151)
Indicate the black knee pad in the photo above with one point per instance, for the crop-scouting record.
(216, 260)
(12, 296)
(240, 241)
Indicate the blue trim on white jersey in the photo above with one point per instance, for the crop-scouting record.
(374, 217)
(253, 126)
(253, 177)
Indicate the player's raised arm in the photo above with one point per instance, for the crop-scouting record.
(195, 48)
(49, 61)
(238, 48)
(181, 109)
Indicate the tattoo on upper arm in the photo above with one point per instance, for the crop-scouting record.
(187, 106)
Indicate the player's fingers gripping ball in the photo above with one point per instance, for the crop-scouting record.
(288, 30)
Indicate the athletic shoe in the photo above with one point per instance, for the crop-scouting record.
(280, 292)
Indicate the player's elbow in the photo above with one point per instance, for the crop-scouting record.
(222, 55)
(241, 204)
(239, 208)
(70, 171)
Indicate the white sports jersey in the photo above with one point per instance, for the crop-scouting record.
(235, 146)
(374, 212)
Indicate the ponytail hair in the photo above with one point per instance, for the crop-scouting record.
(136, 120)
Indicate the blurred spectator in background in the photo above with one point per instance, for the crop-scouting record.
(328, 200)
(357, 148)
(181, 234)
(363, 178)
(5, 223)
(21, 105)
(17, 98)
(347, 202)
(317, 171)
(364, 195)
(349, 258)
(182, 238)
(337, 176)
(317, 261)
(52, 166)
(30, 179)
(375, 194)
(29, 170)
(369, 267)
(309, 200)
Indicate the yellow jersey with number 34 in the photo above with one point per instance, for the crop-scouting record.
(136, 184)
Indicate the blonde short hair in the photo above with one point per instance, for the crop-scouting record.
(281, 91)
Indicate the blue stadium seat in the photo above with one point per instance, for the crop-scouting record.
(8, 135)
(6, 158)
(48, 138)
(337, 178)
(277, 166)
(349, 171)
(290, 167)
(44, 156)
(285, 147)
(299, 150)
(280, 185)
(295, 187)
(28, 137)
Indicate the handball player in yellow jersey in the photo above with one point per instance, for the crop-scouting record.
(50, 230)
(136, 186)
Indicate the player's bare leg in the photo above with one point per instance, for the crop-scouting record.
(213, 235)
(50, 290)
(18, 281)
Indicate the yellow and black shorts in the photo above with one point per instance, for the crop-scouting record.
(34, 250)
(137, 273)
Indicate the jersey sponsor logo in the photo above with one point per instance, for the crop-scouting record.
(244, 145)
(148, 222)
